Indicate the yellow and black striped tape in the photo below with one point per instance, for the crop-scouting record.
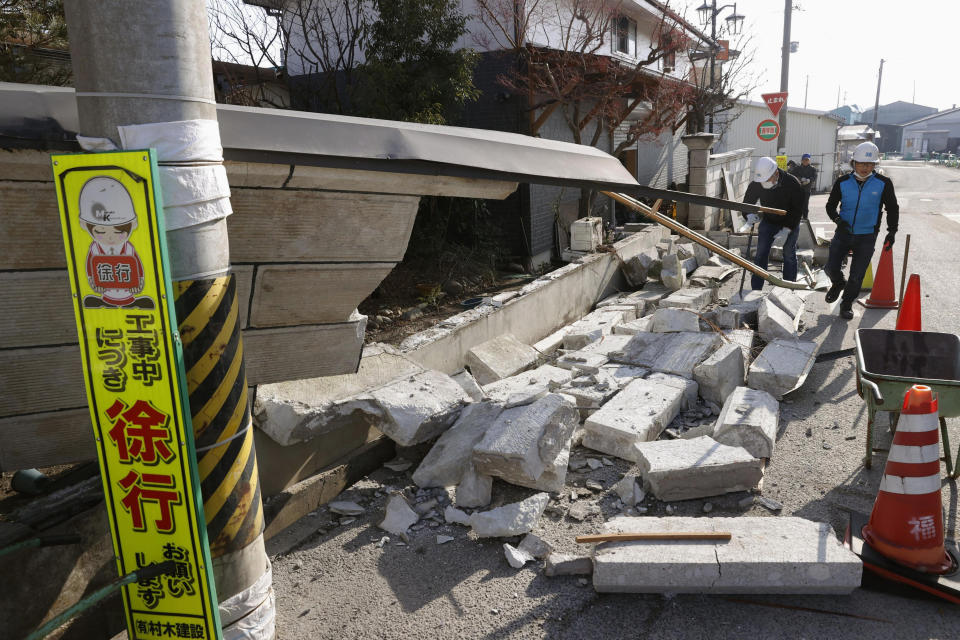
(209, 317)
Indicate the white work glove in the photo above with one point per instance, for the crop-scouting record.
(753, 219)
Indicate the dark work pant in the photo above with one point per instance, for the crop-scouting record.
(765, 235)
(862, 245)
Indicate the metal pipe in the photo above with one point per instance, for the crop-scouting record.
(703, 241)
(903, 273)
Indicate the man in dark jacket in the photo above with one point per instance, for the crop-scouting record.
(780, 190)
(862, 196)
(807, 175)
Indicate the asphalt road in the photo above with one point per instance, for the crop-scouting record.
(338, 583)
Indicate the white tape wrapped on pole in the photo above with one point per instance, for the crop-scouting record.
(251, 614)
(193, 193)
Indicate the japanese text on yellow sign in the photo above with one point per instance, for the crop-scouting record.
(133, 369)
(782, 162)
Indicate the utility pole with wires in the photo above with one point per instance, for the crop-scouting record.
(785, 73)
(876, 103)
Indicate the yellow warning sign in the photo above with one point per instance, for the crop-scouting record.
(113, 232)
(782, 162)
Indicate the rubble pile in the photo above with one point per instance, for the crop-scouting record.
(680, 384)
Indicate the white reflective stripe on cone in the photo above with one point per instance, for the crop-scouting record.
(910, 486)
(914, 454)
(914, 422)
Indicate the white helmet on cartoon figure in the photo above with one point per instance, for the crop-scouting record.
(764, 168)
(866, 152)
(104, 201)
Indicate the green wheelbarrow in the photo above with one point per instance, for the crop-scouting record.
(890, 362)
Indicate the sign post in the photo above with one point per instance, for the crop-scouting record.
(112, 222)
(768, 130)
(775, 101)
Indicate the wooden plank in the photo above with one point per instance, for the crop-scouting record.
(306, 177)
(30, 226)
(282, 467)
(286, 508)
(45, 439)
(277, 225)
(666, 535)
(37, 309)
(287, 295)
(41, 379)
(294, 353)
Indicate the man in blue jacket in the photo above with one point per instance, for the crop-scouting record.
(862, 196)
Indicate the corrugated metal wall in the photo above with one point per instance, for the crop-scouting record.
(808, 131)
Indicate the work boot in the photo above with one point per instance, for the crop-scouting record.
(846, 311)
(835, 290)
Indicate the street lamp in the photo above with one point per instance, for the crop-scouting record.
(708, 12)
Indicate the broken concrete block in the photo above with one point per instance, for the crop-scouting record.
(606, 344)
(469, 385)
(455, 516)
(524, 442)
(564, 564)
(685, 249)
(691, 298)
(535, 546)
(735, 316)
(516, 558)
(670, 320)
(789, 302)
(590, 328)
(398, 516)
(773, 323)
(701, 253)
(697, 468)
(629, 490)
(641, 267)
(511, 519)
(551, 343)
(765, 555)
(782, 366)
(444, 464)
(640, 325)
(499, 358)
(651, 295)
(543, 379)
(555, 474)
(419, 408)
(582, 362)
(749, 419)
(629, 311)
(720, 373)
(743, 338)
(683, 351)
(639, 413)
(641, 350)
(689, 265)
(298, 410)
(475, 489)
(591, 392)
(672, 274)
(747, 297)
(689, 388)
(346, 508)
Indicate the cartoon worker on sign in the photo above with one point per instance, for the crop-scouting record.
(114, 270)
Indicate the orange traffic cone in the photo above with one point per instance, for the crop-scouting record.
(883, 295)
(909, 316)
(906, 524)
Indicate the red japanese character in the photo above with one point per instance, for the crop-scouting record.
(136, 486)
(140, 432)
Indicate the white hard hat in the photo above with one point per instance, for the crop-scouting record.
(764, 168)
(104, 201)
(866, 152)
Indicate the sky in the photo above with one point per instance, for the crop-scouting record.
(841, 43)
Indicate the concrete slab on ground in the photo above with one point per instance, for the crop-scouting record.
(696, 468)
(782, 366)
(499, 358)
(639, 413)
(763, 556)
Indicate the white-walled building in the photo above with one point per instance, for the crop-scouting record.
(808, 131)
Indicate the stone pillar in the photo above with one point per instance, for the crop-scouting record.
(698, 160)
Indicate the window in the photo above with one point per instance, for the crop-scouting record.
(625, 36)
(670, 61)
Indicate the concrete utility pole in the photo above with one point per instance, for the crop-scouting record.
(785, 73)
(876, 103)
(150, 62)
